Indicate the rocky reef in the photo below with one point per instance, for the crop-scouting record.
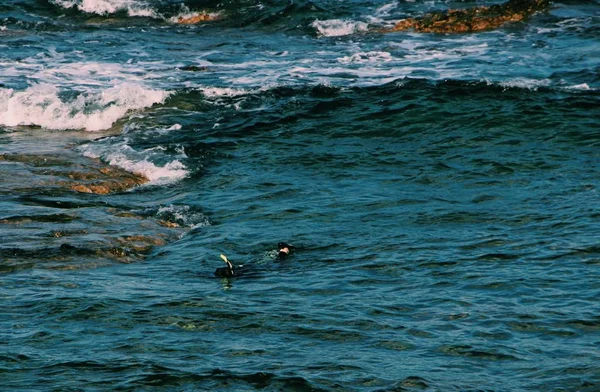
(84, 175)
(472, 19)
(71, 221)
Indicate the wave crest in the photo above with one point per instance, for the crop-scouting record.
(42, 105)
(338, 27)
(104, 7)
(157, 167)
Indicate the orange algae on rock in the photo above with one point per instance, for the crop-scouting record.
(68, 230)
(195, 19)
(472, 19)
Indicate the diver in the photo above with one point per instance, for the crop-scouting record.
(226, 272)
(229, 271)
(284, 250)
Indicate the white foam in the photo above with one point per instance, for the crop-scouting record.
(526, 83)
(143, 163)
(41, 105)
(582, 86)
(183, 215)
(338, 27)
(367, 57)
(385, 10)
(70, 70)
(158, 175)
(215, 92)
(104, 7)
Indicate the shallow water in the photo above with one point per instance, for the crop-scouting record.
(441, 192)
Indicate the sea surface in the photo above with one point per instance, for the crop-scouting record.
(441, 192)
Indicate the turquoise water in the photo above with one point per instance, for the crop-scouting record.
(441, 192)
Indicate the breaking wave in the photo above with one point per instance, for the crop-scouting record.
(339, 27)
(152, 163)
(44, 105)
(104, 7)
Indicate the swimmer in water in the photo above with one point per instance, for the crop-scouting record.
(225, 272)
(229, 271)
(284, 250)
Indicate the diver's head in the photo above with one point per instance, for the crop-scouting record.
(283, 249)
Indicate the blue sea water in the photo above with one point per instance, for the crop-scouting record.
(441, 192)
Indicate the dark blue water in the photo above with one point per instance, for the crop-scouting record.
(441, 192)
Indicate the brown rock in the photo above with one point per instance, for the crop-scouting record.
(68, 231)
(203, 17)
(167, 224)
(472, 19)
(81, 188)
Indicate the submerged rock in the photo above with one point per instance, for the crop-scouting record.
(84, 175)
(65, 228)
(472, 19)
(193, 68)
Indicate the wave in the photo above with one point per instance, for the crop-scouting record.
(526, 83)
(329, 19)
(104, 7)
(44, 105)
(152, 163)
(183, 215)
(339, 27)
(582, 86)
(279, 14)
(415, 84)
(367, 57)
(216, 92)
(260, 112)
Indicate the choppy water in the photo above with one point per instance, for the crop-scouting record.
(441, 190)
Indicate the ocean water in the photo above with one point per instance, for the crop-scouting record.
(441, 192)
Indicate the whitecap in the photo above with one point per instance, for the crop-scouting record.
(215, 92)
(42, 105)
(386, 9)
(183, 215)
(367, 57)
(174, 127)
(582, 86)
(526, 83)
(158, 175)
(338, 27)
(105, 7)
(152, 163)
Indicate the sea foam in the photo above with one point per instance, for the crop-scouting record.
(42, 105)
(152, 163)
(367, 57)
(338, 27)
(526, 83)
(183, 215)
(104, 7)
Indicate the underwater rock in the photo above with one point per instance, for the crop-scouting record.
(193, 68)
(472, 19)
(66, 229)
(86, 175)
